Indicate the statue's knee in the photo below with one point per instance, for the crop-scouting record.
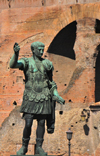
(28, 125)
(42, 123)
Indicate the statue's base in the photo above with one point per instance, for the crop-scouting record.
(32, 155)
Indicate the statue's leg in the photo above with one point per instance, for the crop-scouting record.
(40, 134)
(40, 128)
(26, 136)
(27, 129)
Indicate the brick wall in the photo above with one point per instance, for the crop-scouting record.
(62, 28)
(5, 4)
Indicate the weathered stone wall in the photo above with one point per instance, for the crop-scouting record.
(5, 4)
(72, 44)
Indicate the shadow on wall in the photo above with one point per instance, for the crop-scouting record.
(97, 75)
(64, 41)
(86, 129)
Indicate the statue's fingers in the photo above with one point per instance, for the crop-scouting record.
(17, 47)
(63, 102)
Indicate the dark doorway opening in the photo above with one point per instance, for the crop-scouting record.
(64, 41)
(97, 26)
(97, 76)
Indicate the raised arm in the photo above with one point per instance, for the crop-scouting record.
(14, 63)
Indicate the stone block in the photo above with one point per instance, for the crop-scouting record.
(51, 2)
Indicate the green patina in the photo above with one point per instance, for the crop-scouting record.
(39, 96)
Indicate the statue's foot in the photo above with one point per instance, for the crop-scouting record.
(22, 151)
(50, 129)
(40, 151)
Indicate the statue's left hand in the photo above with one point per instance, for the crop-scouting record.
(59, 99)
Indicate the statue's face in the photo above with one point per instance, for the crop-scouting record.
(39, 51)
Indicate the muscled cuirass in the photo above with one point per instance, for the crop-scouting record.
(36, 82)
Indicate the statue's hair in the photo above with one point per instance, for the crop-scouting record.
(37, 44)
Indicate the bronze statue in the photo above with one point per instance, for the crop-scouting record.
(39, 96)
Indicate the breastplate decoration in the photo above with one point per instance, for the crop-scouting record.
(36, 87)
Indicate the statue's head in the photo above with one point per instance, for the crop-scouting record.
(37, 48)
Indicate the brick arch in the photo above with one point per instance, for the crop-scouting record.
(74, 13)
(79, 11)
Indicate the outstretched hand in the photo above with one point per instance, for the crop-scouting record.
(16, 48)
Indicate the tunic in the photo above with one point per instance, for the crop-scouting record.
(37, 97)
